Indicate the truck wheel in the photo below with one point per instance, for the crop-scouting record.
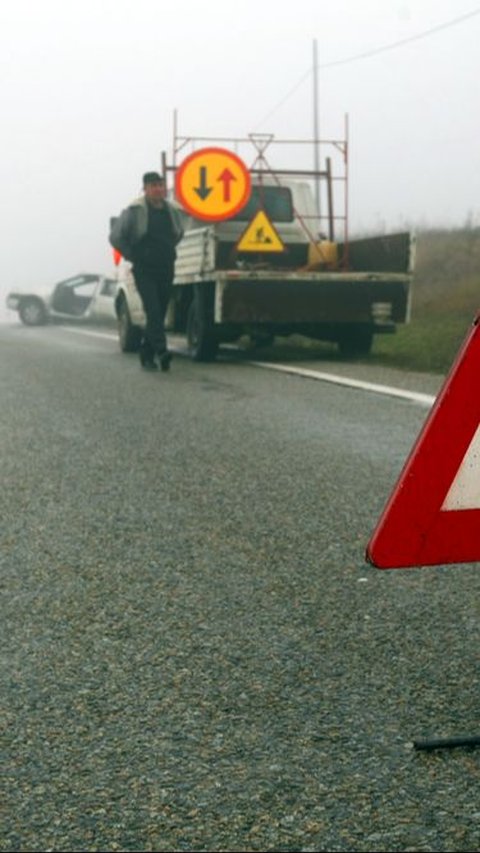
(32, 312)
(262, 339)
(129, 336)
(201, 339)
(355, 342)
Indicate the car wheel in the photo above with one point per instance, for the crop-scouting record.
(32, 312)
(129, 336)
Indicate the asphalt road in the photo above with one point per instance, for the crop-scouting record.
(196, 656)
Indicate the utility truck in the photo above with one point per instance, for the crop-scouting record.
(275, 268)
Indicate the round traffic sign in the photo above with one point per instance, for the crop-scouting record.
(212, 184)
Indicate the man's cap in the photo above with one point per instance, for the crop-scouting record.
(152, 178)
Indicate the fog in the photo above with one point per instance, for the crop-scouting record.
(89, 90)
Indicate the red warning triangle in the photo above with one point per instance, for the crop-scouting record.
(433, 513)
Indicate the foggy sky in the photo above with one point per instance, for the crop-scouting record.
(89, 88)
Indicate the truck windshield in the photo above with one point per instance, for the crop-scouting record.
(275, 201)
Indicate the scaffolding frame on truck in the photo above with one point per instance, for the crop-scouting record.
(258, 143)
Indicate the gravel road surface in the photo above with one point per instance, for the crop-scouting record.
(196, 656)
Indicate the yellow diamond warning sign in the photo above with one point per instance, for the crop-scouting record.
(260, 236)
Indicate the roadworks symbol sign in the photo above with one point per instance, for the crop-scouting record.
(260, 236)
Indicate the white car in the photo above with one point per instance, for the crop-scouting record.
(87, 297)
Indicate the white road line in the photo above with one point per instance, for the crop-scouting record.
(387, 390)
(90, 333)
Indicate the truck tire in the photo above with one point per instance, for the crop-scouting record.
(201, 338)
(262, 339)
(129, 336)
(355, 341)
(32, 312)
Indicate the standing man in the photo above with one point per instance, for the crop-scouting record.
(146, 233)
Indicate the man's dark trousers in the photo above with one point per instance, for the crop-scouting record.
(155, 289)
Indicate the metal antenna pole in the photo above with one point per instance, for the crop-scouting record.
(175, 134)
(316, 134)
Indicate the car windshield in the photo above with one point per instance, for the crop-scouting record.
(276, 202)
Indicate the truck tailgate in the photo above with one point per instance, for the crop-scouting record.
(311, 297)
